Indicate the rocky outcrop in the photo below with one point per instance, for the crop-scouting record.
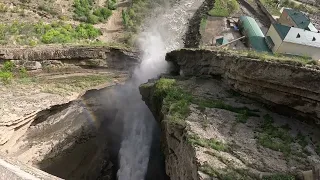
(180, 162)
(70, 140)
(211, 132)
(288, 87)
(39, 57)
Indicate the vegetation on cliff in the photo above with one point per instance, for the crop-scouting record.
(133, 17)
(298, 60)
(232, 137)
(35, 33)
(274, 6)
(85, 11)
(9, 70)
(275, 138)
(224, 8)
(176, 102)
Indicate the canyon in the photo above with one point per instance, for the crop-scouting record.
(226, 116)
(160, 112)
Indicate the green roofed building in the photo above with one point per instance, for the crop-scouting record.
(294, 18)
(254, 36)
(293, 41)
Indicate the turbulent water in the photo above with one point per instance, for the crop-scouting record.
(163, 33)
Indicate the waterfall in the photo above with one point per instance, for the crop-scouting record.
(164, 32)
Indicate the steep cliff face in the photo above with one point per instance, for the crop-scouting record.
(212, 132)
(180, 158)
(292, 88)
(76, 140)
(37, 58)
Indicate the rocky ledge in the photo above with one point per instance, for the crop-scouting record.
(288, 87)
(39, 58)
(210, 131)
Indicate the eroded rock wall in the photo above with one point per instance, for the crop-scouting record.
(37, 58)
(180, 156)
(289, 88)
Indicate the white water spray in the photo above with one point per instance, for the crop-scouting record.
(163, 34)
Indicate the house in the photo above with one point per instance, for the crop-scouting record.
(254, 36)
(295, 41)
(293, 18)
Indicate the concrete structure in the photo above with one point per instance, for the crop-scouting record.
(11, 169)
(294, 41)
(254, 36)
(221, 41)
(293, 18)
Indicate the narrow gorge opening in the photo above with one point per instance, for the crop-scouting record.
(92, 150)
(111, 133)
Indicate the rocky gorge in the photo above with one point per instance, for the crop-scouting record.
(55, 120)
(233, 117)
(216, 115)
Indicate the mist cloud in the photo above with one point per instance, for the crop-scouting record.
(162, 34)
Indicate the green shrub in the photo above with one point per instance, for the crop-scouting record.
(56, 36)
(242, 117)
(23, 73)
(84, 11)
(275, 138)
(3, 8)
(209, 143)
(112, 4)
(6, 77)
(56, 32)
(134, 15)
(33, 43)
(8, 66)
(85, 31)
(224, 8)
(102, 14)
(92, 19)
(203, 23)
(125, 18)
(285, 2)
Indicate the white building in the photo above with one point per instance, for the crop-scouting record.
(293, 39)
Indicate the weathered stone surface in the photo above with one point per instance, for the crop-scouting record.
(179, 155)
(62, 139)
(289, 86)
(106, 57)
(245, 156)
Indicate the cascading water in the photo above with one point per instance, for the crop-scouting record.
(163, 33)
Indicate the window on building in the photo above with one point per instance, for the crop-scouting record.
(313, 39)
(298, 36)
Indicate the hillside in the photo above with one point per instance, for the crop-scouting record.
(32, 22)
